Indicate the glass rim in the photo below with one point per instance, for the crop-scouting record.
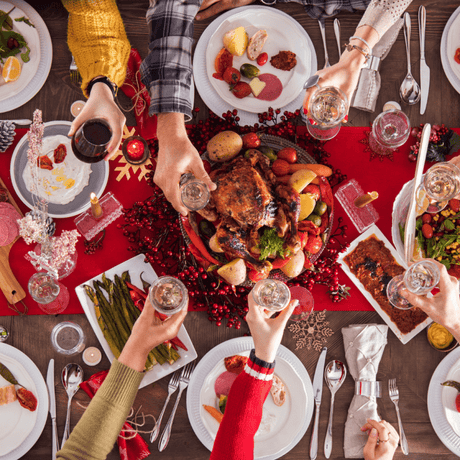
(178, 282)
(96, 120)
(81, 338)
(341, 94)
(187, 183)
(423, 262)
(261, 282)
(398, 141)
(445, 164)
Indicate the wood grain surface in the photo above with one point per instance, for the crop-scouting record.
(412, 364)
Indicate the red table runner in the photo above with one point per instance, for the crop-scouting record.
(348, 154)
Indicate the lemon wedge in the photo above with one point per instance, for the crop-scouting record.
(307, 204)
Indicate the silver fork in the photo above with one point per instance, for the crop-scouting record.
(74, 73)
(394, 396)
(183, 383)
(322, 28)
(172, 387)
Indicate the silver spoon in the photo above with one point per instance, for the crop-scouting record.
(71, 377)
(410, 90)
(334, 375)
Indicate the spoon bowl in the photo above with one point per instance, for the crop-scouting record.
(71, 377)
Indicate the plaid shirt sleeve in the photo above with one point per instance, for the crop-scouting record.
(167, 70)
(318, 9)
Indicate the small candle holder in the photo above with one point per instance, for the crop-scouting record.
(89, 227)
(92, 356)
(136, 150)
(362, 217)
(76, 108)
(68, 338)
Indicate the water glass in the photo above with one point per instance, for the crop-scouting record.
(420, 279)
(68, 338)
(390, 130)
(326, 110)
(168, 295)
(89, 144)
(194, 193)
(43, 288)
(272, 295)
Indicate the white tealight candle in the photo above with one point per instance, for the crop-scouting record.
(77, 107)
(391, 105)
(92, 356)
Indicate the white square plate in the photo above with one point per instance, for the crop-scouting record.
(135, 266)
(374, 230)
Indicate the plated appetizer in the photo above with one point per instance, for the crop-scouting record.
(9, 394)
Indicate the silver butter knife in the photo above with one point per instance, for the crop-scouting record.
(409, 231)
(317, 393)
(50, 385)
(424, 69)
(337, 35)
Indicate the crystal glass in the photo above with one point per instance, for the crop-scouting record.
(272, 295)
(194, 193)
(419, 279)
(390, 130)
(326, 110)
(66, 268)
(168, 295)
(89, 144)
(306, 303)
(68, 338)
(43, 288)
(440, 184)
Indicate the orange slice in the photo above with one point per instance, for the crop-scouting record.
(11, 69)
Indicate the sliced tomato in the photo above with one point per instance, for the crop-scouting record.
(223, 60)
(457, 56)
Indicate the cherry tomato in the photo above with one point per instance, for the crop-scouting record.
(457, 56)
(280, 168)
(241, 90)
(427, 231)
(262, 59)
(251, 141)
(231, 75)
(426, 218)
(288, 154)
(454, 204)
(314, 244)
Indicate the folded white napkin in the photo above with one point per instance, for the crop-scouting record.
(367, 91)
(364, 345)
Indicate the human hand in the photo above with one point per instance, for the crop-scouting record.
(444, 307)
(267, 332)
(101, 104)
(388, 440)
(210, 8)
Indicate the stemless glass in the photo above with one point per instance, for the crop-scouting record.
(68, 338)
(168, 295)
(194, 193)
(419, 279)
(327, 108)
(390, 130)
(89, 144)
(272, 295)
(440, 184)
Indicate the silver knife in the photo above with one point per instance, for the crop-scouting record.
(424, 69)
(317, 392)
(50, 384)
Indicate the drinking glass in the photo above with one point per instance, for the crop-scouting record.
(390, 130)
(168, 295)
(43, 288)
(306, 303)
(327, 108)
(194, 193)
(439, 185)
(68, 338)
(89, 144)
(419, 279)
(272, 295)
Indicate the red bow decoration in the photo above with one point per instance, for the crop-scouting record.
(137, 91)
(130, 449)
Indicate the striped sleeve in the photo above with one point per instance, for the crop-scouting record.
(243, 413)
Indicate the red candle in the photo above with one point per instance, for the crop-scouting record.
(135, 149)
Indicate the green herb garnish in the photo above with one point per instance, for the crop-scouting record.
(25, 20)
(270, 243)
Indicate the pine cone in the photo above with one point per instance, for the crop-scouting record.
(7, 134)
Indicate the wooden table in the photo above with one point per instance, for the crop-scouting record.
(412, 364)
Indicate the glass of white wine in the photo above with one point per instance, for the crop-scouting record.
(168, 295)
(272, 295)
(420, 279)
(194, 193)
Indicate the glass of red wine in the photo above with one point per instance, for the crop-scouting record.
(89, 144)
(306, 303)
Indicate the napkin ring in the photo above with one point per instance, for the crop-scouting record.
(368, 389)
(373, 63)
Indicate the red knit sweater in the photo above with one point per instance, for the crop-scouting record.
(243, 412)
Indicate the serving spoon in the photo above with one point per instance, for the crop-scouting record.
(334, 375)
(409, 91)
(71, 377)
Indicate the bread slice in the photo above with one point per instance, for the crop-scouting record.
(256, 43)
(278, 391)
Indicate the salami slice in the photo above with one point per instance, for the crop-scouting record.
(3, 233)
(224, 383)
(12, 230)
(273, 87)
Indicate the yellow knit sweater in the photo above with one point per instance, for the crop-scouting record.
(97, 40)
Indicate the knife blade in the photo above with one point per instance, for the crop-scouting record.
(50, 385)
(424, 69)
(317, 393)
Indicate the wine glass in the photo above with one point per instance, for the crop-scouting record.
(89, 144)
(272, 295)
(306, 303)
(419, 279)
(194, 193)
(326, 110)
(51, 296)
(168, 295)
(440, 184)
(390, 130)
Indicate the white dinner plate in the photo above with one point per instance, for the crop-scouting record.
(374, 230)
(293, 418)
(20, 428)
(436, 408)
(449, 395)
(136, 266)
(291, 36)
(450, 41)
(97, 179)
(35, 72)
